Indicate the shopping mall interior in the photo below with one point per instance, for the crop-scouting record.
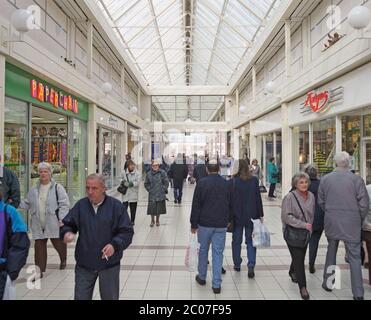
(83, 83)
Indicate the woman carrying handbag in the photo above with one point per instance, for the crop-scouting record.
(297, 218)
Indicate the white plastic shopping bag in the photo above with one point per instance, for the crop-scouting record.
(9, 292)
(260, 235)
(191, 258)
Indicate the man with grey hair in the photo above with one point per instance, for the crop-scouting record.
(343, 197)
(105, 231)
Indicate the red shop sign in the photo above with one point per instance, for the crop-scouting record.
(317, 101)
(320, 101)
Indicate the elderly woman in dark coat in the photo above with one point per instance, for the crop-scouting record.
(156, 184)
(318, 222)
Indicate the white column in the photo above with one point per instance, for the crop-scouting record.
(237, 102)
(92, 138)
(125, 135)
(139, 104)
(236, 143)
(311, 154)
(295, 149)
(338, 147)
(305, 33)
(288, 48)
(123, 90)
(2, 111)
(287, 159)
(253, 141)
(253, 71)
(264, 149)
(89, 50)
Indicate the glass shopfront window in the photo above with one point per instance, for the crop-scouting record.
(16, 140)
(324, 137)
(269, 150)
(351, 139)
(304, 156)
(108, 151)
(78, 160)
(367, 126)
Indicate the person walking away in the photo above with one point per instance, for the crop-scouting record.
(211, 213)
(200, 170)
(178, 173)
(247, 204)
(272, 177)
(343, 197)
(9, 184)
(105, 232)
(14, 244)
(47, 204)
(298, 212)
(366, 232)
(132, 180)
(318, 222)
(156, 184)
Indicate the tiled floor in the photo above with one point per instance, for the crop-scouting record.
(153, 266)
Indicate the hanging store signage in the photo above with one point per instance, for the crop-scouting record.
(320, 101)
(58, 99)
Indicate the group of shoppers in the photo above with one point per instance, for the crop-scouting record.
(218, 204)
(339, 205)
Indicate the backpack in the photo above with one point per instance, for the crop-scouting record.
(7, 233)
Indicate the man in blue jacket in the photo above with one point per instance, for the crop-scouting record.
(105, 231)
(211, 213)
(14, 243)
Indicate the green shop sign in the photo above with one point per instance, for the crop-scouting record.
(22, 85)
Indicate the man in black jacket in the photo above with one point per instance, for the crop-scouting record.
(178, 172)
(200, 170)
(9, 184)
(105, 231)
(210, 216)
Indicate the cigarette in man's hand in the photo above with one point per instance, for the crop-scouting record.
(105, 257)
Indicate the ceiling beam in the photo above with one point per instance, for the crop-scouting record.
(221, 18)
(159, 39)
(188, 90)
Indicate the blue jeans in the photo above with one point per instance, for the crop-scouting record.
(236, 245)
(215, 236)
(178, 193)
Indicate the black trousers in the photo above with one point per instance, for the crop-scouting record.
(272, 187)
(313, 246)
(297, 265)
(3, 278)
(109, 283)
(133, 209)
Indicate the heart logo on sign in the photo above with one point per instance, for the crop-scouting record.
(317, 101)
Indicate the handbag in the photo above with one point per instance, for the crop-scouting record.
(295, 237)
(122, 188)
(262, 189)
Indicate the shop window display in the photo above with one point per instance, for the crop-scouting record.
(304, 156)
(16, 140)
(367, 126)
(324, 145)
(351, 138)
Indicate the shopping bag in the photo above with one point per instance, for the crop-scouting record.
(9, 292)
(191, 258)
(262, 189)
(260, 235)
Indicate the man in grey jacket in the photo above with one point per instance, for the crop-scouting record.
(343, 197)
